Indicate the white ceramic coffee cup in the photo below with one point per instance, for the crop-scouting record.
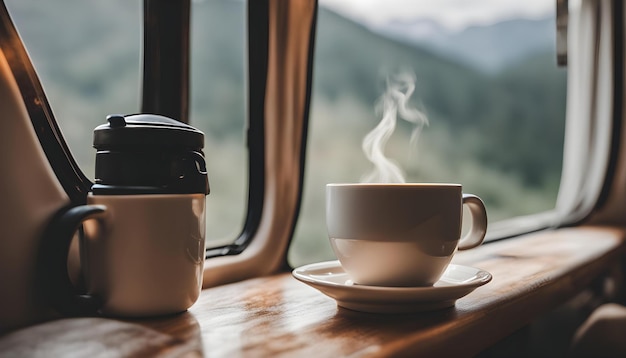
(400, 234)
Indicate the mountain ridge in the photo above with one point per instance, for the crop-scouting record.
(486, 47)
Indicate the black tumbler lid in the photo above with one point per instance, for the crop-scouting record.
(148, 154)
(146, 130)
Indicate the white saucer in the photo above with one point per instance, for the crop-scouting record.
(330, 278)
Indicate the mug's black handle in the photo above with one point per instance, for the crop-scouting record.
(55, 281)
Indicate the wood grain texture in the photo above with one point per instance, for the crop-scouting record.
(280, 316)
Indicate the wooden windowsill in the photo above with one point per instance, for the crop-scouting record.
(277, 315)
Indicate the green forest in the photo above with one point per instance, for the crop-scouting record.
(499, 133)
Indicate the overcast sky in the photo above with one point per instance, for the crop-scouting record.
(454, 14)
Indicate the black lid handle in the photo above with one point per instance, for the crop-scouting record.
(116, 120)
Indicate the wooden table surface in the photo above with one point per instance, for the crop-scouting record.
(280, 316)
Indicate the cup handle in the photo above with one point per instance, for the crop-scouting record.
(476, 235)
(54, 249)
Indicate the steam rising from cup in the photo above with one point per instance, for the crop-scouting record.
(392, 104)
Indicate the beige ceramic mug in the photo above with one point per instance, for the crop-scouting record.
(400, 234)
(144, 256)
(141, 255)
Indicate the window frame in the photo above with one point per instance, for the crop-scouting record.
(262, 248)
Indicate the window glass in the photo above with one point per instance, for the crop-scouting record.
(482, 73)
(218, 108)
(87, 57)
